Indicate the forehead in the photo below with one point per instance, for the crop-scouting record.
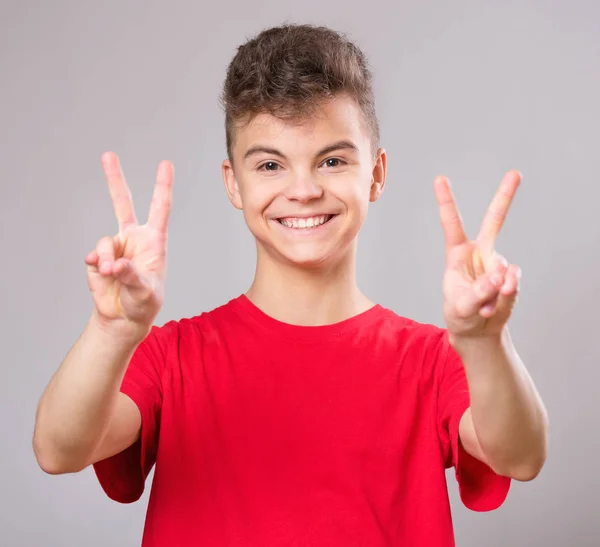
(333, 120)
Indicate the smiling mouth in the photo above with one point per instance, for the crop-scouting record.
(305, 222)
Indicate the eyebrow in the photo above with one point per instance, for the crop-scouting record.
(340, 145)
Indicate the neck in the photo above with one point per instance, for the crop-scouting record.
(308, 297)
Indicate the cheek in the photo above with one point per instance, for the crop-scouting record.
(355, 194)
(255, 200)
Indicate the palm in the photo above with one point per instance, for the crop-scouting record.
(479, 286)
(126, 272)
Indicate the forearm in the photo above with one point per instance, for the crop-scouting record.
(508, 415)
(75, 409)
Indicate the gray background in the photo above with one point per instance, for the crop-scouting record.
(469, 89)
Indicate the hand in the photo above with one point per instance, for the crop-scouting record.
(480, 288)
(126, 273)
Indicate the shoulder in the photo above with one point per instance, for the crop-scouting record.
(409, 330)
(204, 326)
(420, 342)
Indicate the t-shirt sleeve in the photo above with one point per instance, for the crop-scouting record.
(123, 475)
(480, 488)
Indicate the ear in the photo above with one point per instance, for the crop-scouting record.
(379, 175)
(231, 185)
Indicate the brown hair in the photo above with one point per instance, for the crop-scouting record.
(286, 71)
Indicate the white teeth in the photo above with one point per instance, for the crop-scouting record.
(311, 222)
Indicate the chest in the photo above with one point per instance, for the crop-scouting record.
(335, 404)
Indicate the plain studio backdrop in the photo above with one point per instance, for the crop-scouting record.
(469, 89)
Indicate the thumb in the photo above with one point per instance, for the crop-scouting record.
(509, 291)
(485, 289)
(127, 274)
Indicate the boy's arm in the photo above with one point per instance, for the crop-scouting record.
(82, 416)
(506, 425)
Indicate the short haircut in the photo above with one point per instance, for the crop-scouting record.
(287, 71)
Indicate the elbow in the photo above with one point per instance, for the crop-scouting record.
(531, 466)
(46, 460)
(526, 463)
(51, 468)
(526, 473)
(523, 471)
(51, 463)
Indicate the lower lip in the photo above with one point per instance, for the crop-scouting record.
(313, 230)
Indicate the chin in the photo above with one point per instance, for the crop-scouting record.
(311, 262)
(313, 258)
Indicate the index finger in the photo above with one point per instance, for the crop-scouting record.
(160, 206)
(452, 225)
(498, 209)
(119, 191)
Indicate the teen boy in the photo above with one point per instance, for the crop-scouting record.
(300, 413)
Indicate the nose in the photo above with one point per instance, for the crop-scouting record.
(303, 188)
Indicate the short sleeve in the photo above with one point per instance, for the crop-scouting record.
(480, 488)
(123, 475)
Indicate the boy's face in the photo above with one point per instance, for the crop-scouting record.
(305, 187)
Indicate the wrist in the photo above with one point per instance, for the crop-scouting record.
(466, 344)
(121, 332)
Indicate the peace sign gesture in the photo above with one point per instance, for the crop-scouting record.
(480, 288)
(126, 272)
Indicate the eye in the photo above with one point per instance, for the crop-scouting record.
(269, 166)
(333, 162)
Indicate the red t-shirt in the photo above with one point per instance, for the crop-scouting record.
(268, 434)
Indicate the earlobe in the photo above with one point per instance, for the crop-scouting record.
(376, 190)
(379, 175)
(231, 185)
